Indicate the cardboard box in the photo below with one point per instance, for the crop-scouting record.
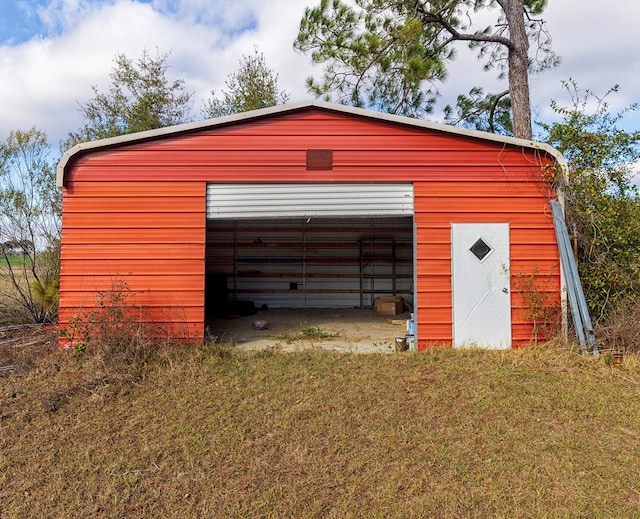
(389, 305)
(389, 308)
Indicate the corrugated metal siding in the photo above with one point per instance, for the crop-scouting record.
(533, 248)
(457, 179)
(274, 150)
(149, 235)
(261, 259)
(261, 200)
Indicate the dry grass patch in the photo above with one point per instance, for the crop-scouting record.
(212, 432)
(12, 308)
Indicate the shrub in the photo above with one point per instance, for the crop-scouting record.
(540, 307)
(620, 332)
(116, 333)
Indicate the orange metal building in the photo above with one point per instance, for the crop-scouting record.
(315, 204)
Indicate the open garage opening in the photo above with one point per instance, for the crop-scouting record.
(307, 263)
(324, 272)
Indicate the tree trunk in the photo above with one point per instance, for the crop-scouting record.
(518, 68)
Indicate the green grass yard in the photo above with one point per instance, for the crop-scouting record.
(14, 261)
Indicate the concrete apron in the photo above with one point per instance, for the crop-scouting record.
(351, 330)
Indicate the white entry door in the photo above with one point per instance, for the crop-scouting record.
(481, 285)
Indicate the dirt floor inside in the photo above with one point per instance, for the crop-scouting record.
(344, 329)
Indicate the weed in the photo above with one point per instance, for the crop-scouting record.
(541, 308)
(80, 348)
(385, 345)
(288, 337)
(307, 332)
(213, 348)
(311, 332)
(116, 332)
(46, 293)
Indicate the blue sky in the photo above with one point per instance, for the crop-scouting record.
(15, 26)
(53, 51)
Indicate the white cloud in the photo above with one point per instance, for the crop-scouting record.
(44, 78)
(59, 15)
(595, 42)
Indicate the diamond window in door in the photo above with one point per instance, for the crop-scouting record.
(480, 249)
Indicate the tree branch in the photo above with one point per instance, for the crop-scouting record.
(437, 18)
(494, 105)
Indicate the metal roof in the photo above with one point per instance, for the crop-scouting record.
(87, 147)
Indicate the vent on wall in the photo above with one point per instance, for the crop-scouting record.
(319, 160)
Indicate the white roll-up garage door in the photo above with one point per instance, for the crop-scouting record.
(233, 201)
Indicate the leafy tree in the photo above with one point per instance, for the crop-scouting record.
(253, 86)
(602, 203)
(389, 54)
(140, 97)
(30, 208)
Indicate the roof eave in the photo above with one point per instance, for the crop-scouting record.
(291, 107)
